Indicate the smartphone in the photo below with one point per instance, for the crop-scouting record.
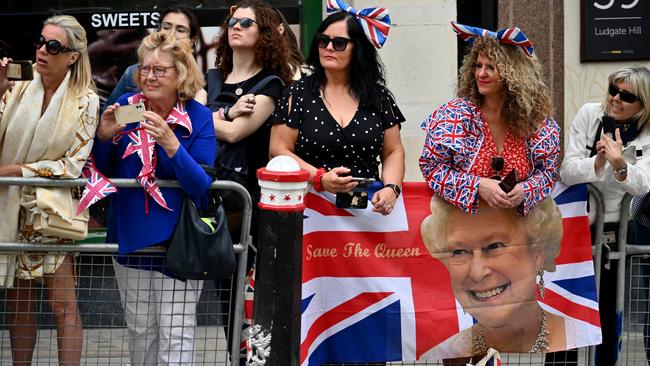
(609, 126)
(20, 70)
(130, 113)
(363, 180)
(357, 198)
(509, 182)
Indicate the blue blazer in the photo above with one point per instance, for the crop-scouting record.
(128, 224)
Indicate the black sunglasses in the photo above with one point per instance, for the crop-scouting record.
(497, 164)
(244, 22)
(53, 47)
(627, 97)
(338, 43)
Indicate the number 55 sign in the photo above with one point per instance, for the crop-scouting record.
(615, 30)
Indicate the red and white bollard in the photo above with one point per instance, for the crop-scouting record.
(279, 259)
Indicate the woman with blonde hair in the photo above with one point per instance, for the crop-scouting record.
(499, 124)
(47, 127)
(607, 146)
(160, 309)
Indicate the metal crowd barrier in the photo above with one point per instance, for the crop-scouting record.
(105, 334)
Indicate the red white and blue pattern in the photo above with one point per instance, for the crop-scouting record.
(512, 36)
(455, 132)
(144, 146)
(97, 187)
(371, 292)
(375, 22)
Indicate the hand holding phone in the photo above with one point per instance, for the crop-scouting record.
(20, 70)
(363, 181)
(509, 182)
(130, 113)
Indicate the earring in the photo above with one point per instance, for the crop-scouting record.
(540, 273)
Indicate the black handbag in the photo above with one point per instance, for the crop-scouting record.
(201, 249)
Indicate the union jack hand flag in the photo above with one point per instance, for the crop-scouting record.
(375, 22)
(97, 187)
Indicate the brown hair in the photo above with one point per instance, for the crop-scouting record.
(527, 100)
(190, 79)
(271, 50)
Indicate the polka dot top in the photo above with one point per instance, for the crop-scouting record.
(322, 142)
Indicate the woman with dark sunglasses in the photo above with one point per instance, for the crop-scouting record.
(503, 109)
(250, 51)
(252, 67)
(46, 130)
(341, 122)
(609, 146)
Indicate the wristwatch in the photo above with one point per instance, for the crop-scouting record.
(621, 173)
(395, 188)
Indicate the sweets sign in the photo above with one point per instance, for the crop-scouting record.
(615, 30)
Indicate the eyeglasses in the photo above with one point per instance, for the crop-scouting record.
(497, 164)
(625, 96)
(53, 47)
(158, 71)
(338, 43)
(169, 27)
(244, 22)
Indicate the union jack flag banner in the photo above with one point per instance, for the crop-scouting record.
(372, 292)
(375, 22)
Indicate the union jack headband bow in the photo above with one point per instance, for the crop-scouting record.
(512, 36)
(375, 22)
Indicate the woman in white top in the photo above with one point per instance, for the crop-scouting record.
(615, 157)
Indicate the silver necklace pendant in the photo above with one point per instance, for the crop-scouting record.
(239, 91)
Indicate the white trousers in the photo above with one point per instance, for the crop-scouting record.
(160, 314)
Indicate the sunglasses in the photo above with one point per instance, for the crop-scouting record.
(158, 71)
(497, 164)
(243, 22)
(53, 47)
(627, 97)
(338, 43)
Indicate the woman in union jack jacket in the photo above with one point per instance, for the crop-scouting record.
(499, 124)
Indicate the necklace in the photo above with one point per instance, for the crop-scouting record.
(480, 347)
(239, 91)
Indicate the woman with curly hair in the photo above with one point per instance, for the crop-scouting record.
(251, 52)
(500, 122)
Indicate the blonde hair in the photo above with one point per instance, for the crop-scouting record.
(81, 78)
(639, 79)
(543, 228)
(527, 100)
(190, 79)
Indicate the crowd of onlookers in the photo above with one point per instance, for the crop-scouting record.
(491, 152)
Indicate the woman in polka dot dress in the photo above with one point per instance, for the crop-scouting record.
(500, 121)
(342, 121)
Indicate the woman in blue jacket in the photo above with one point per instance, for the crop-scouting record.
(174, 137)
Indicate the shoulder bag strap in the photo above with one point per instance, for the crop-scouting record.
(215, 82)
(262, 83)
